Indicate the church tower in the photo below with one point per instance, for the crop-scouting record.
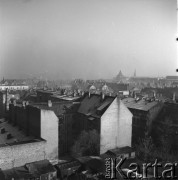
(135, 73)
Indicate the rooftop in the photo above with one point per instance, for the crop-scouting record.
(29, 171)
(45, 91)
(66, 98)
(13, 82)
(90, 105)
(57, 107)
(17, 135)
(142, 104)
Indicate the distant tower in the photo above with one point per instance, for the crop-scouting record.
(135, 73)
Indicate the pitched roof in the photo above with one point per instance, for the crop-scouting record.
(90, 105)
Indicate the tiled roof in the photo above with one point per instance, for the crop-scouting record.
(140, 104)
(89, 105)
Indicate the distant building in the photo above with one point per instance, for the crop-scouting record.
(172, 78)
(13, 85)
(120, 78)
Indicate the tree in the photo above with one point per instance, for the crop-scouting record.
(87, 144)
(145, 149)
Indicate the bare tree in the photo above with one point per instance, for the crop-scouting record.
(86, 144)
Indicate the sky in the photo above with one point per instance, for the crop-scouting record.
(89, 39)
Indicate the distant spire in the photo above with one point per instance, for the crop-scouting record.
(135, 73)
(120, 74)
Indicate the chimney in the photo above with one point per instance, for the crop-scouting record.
(23, 103)
(14, 102)
(49, 103)
(82, 93)
(174, 96)
(89, 94)
(27, 103)
(135, 96)
(103, 96)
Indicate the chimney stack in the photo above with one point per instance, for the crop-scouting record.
(14, 102)
(49, 103)
(89, 94)
(135, 95)
(23, 103)
(27, 103)
(174, 96)
(82, 93)
(103, 96)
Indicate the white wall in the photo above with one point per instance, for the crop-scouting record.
(49, 132)
(18, 155)
(116, 127)
(3, 87)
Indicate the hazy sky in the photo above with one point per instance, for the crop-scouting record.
(87, 38)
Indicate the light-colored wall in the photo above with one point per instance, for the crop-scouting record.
(3, 87)
(49, 132)
(18, 155)
(116, 127)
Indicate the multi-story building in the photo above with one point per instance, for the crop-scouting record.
(109, 116)
(144, 113)
(13, 85)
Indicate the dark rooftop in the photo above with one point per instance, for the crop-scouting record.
(29, 171)
(17, 136)
(90, 105)
(140, 104)
(40, 167)
(57, 107)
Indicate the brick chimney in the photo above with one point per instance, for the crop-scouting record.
(49, 103)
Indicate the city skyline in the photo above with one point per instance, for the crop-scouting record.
(87, 39)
